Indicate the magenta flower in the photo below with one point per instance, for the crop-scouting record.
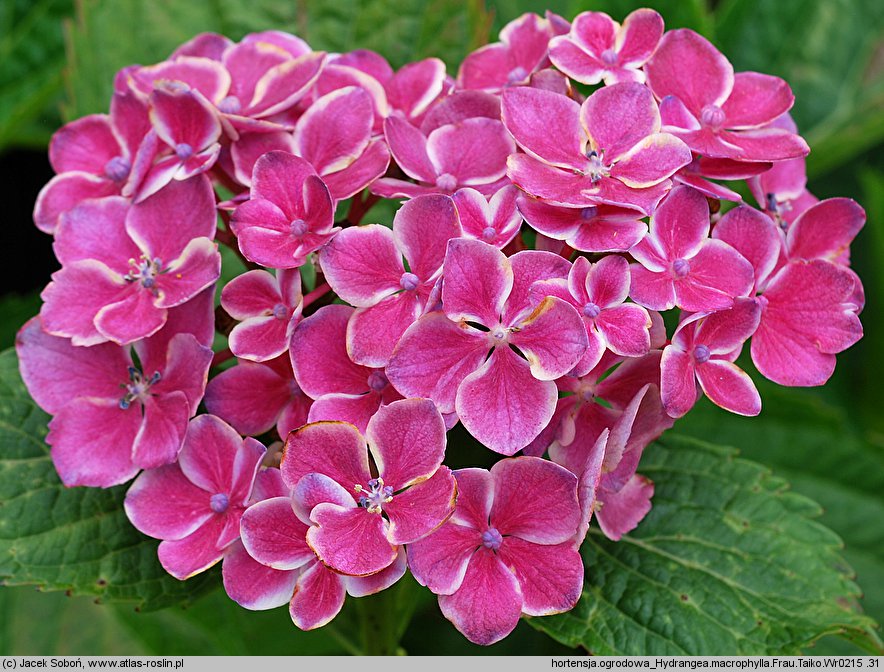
(704, 348)
(289, 215)
(608, 151)
(595, 228)
(141, 409)
(275, 552)
(469, 153)
(358, 521)
(94, 157)
(342, 389)
(124, 267)
(717, 113)
(335, 136)
(195, 505)
(189, 126)
(208, 77)
(268, 308)
(598, 291)
(364, 266)
(679, 265)
(502, 554)
(755, 237)
(254, 398)
(503, 400)
(598, 48)
(825, 231)
(521, 51)
(495, 220)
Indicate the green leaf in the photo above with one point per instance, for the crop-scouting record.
(403, 30)
(72, 539)
(16, 310)
(728, 561)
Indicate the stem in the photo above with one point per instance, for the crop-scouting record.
(345, 643)
(221, 357)
(379, 632)
(320, 291)
(567, 251)
(358, 208)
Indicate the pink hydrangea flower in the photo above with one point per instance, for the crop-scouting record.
(599, 291)
(289, 215)
(503, 400)
(595, 228)
(704, 348)
(275, 552)
(755, 237)
(254, 398)
(94, 157)
(124, 267)
(494, 220)
(358, 521)
(502, 554)
(342, 389)
(268, 308)
(209, 78)
(720, 114)
(608, 151)
(679, 265)
(598, 48)
(364, 266)
(521, 51)
(195, 504)
(141, 410)
(469, 153)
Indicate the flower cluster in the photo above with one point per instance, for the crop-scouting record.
(556, 195)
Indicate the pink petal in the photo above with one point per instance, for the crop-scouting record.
(487, 605)
(622, 511)
(181, 116)
(362, 264)
(552, 338)
(95, 230)
(440, 560)
(473, 151)
(86, 144)
(416, 86)
(209, 452)
(350, 540)
(260, 338)
(422, 508)
(729, 387)
(756, 100)
(551, 519)
(625, 329)
(550, 577)
(370, 165)
(361, 586)
(654, 159)
(502, 405)
(475, 498)
(765, 144)
(654, 290)
(754, 236)
(619, 117)
(279, 178)
(486, 67)
(407, 441)
(478, 280)
(78, 457)
(249, 396)
(686, 65)
(163, 504)
(162, 430)
(608, 283)
(133, 317)
(575, 62)
(717, 274)
(194, 553)
(273, 535)
(461, 105)
(530, 266)
(593, 31)
(250, 295)
(63, 192)
(356, 409)
(335, 130)
(198, 267)
(282, 86)
(319, 354)
(409, 149)
(314, 489)
(546, 125)
(250, 147)
(726, 330)
(335, 449)
(206, 76)
(826, 230)
(422, 228)
(319, 596)
(638, 37)
(253, 585)
(373, 332)
(677, 386)
(593, 229)
(434, 356)
(681, 223)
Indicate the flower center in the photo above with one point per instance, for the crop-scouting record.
(712, 116)
(589, 212)
(597, 169)
(498, 335)
(378, 494)
(219, 502)
(230, 105)
(591, 310)
(517, 74)
(377, 381)
(280, 311)
(183, 151)
(492, 539)
(117, 169)
(298, 227)
(409, 282)
(701, 354)
(138, 387)
(488, 233)
(609, 57)
(680, 268)
(145, 271)
(446, 182)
